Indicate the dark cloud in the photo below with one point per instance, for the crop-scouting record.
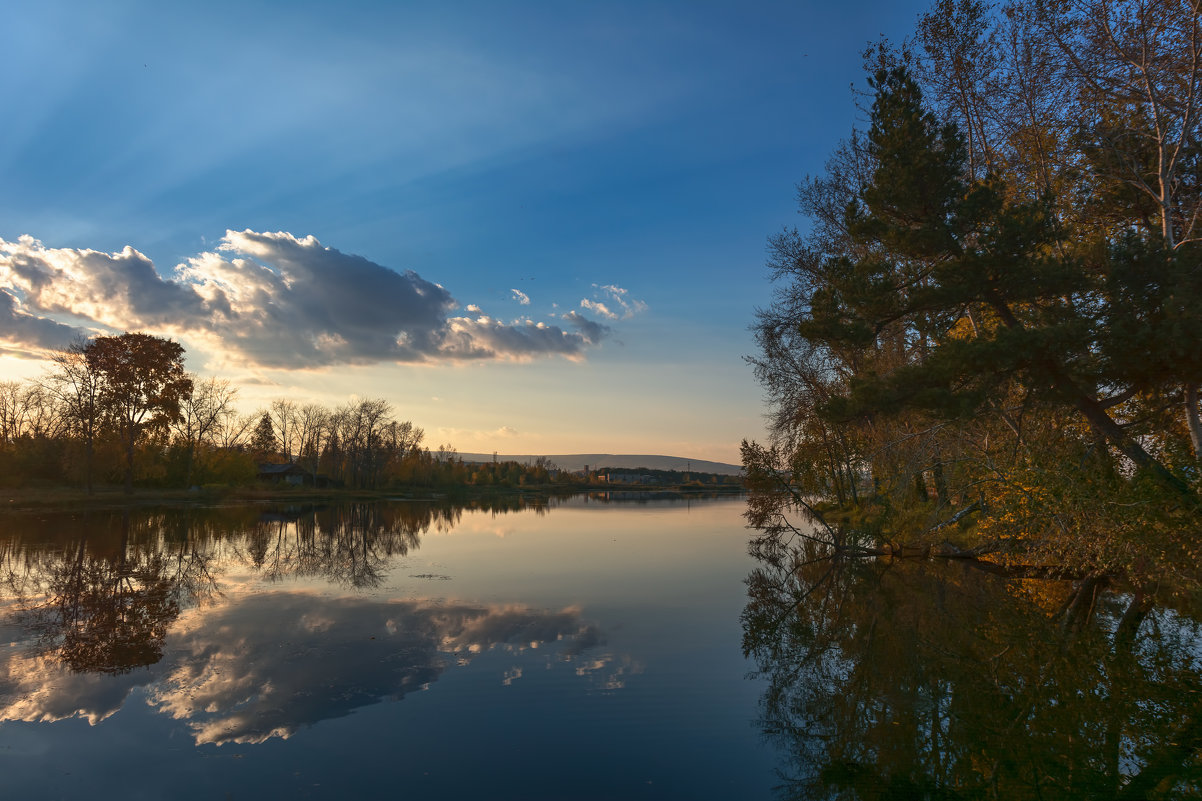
(293, 302)
(266, 299)
(592, 331)
(38, 332)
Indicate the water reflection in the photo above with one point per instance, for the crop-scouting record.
(109, 603)
(915, 679)
(281, 661)
(101, 604)
(349, 545)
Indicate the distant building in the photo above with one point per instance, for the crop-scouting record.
(291, 473)
(614, 477)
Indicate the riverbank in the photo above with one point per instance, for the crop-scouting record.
(25, 499)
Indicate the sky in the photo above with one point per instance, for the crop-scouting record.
(533, 227)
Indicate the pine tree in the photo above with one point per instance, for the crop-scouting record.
(263, 443)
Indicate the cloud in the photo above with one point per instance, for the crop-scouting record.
(589, 329)
(114, 290)
(615, 297)
(521, 297)
(460, 434)
(483, 338)
(40, 689)
(38, 332)
(297, 660)
(262, 299)
(274, 663)
(597, 307)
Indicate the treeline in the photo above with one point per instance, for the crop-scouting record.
(122, 409)
(648, 475)
(990, 330)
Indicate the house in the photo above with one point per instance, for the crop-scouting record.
(290, 473)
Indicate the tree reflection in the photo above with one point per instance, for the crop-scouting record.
(105, 596)
(349, 545)
(101, 592)
(105, 604)
(937, 679)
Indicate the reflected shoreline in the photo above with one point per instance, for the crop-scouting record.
(935, 679)
(49, 500)
(108, 602)
(217, 615)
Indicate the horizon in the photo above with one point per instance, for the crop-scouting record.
(536, 230)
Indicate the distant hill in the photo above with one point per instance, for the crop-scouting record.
(577, 461)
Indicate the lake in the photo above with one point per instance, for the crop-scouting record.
(588, 647)
(953, 679)
(578, 648)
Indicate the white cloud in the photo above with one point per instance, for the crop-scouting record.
(521, 297)
(117, 290)
(596, 307)
(262, 299)
(617, 298)
(485, 338)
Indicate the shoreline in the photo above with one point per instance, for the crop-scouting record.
(41, 499)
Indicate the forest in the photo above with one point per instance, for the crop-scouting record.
(985, 340)
(122, 410)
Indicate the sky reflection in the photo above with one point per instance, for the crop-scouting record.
(593, 640)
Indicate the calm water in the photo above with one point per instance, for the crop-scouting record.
(588, 650)
(943, 680)
(591, 648)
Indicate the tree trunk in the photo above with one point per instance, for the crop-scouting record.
(940, 483)
(89, 450)
(1192, 419)
(1098, 419)
(188, 468)
(129, 463)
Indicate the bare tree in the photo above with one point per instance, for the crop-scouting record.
(202, 412)
(75, 381)
(283, 418)
(312, 427)
(233, 429)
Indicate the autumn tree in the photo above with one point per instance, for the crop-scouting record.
(1096, 106)
(143, 383)
(956, 331)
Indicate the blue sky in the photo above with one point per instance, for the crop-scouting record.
(535, 227)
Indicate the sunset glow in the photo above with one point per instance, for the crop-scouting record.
(532, 229)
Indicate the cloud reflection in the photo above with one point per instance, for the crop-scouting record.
(37, 688)
(281, 661)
